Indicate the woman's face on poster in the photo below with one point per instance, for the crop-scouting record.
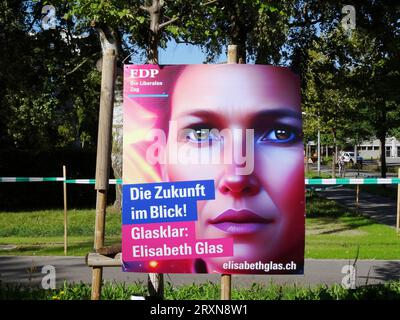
(258, 172)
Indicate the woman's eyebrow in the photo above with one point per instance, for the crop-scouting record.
(206, 114)
(201, 114)
(278, 113)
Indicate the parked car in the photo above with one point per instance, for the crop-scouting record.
(349, 157)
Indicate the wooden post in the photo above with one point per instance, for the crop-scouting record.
(65, 211)
(226, 279)
(103, 160)
(97, 274)
(307, 156)
(226, 284)
(398, 205)
(155, 281)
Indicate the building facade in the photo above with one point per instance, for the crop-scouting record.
(372, 149)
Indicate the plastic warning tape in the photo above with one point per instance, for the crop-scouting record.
(119, 181)
(47, 179)
(353, 181)
(30, 179)
(92, 181)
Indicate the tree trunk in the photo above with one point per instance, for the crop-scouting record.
(152, 54)
(238, 31)
(334, 155)
(307, 168)
(382, 139)
(109, 41)
(155, 281)
(154, 12)
(109, 54)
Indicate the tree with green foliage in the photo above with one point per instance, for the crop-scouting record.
(41, 106)
(326, 93)
(376, 54)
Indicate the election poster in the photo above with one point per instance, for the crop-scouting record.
(213, 171)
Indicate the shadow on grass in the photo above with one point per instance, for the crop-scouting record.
(78, 248)
(75, 248)
(329, 211)
(317, 207)
(353, 225)
(30, 209)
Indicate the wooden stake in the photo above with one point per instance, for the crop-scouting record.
(398, 206)
(65, 211)
(226, 284)
(226, 279)
(103, 160)
(97, 275)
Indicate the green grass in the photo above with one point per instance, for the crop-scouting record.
(332, 232)
(50, 223)
(314, 175)
(42, 232)
(206, 291)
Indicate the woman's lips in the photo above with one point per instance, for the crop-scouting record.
(239, 222)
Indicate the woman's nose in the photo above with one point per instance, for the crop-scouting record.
(239, 185)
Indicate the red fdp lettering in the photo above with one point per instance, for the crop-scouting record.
(144, 73)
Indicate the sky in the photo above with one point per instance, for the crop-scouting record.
(180, 53)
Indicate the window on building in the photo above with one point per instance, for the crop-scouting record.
(398, 152)
(376, 147)
(387, 151)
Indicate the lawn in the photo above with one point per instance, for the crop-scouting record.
(332, 232)
(314, 175)
(42, 232)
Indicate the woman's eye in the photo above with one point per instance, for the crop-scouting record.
(279, 135)
(200, 135)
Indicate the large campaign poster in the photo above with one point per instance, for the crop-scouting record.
(213, 170)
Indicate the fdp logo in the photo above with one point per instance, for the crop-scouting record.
(143, 73)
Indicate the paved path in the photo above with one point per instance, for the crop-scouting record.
(26, 270)
(381, 209)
